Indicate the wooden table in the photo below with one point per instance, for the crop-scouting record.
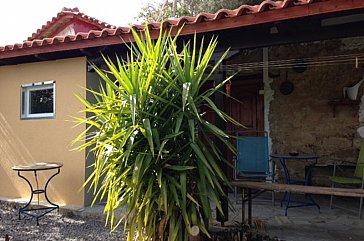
(37, 167)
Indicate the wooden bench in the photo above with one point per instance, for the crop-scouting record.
(278, 187)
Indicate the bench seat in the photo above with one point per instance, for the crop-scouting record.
(280, 187)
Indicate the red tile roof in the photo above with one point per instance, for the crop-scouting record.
(246, 15)
(67, 15)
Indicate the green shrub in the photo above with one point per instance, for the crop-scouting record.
(156, 156)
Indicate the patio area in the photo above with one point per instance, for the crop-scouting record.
(301, 224)
(304, 223)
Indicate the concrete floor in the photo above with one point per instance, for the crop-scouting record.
(301, 224)
(305, 223)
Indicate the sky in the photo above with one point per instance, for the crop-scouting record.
(20, 18)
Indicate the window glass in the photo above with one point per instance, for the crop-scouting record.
(37, 100)
(41, 101)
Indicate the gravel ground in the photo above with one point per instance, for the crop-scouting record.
(52, 227)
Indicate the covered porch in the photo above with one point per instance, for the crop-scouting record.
(303, 224)
(289, 81)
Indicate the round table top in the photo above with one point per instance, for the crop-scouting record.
(37, 166)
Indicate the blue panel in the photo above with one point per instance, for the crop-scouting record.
(252, 156)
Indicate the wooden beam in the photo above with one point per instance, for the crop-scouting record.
(3, 62)
(278, 187)
(37, 56)
(242, 40)
(86, 52)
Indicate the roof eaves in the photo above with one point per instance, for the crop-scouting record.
(223, 19)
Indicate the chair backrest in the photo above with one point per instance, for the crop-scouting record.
(360, 163)
(252, 156)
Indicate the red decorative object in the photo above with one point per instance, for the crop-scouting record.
(228, 86)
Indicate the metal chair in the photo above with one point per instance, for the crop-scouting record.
(356, 180)
(252, 159)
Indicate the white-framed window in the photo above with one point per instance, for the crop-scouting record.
(38, 100)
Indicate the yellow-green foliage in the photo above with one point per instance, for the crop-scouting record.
(150, 160)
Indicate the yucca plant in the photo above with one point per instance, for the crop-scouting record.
(156, 157)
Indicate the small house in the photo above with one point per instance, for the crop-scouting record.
(292, 60)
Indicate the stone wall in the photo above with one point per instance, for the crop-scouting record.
(303, 120)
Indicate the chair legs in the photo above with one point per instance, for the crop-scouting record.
(360, 203)
(332, 196)
(361, 207)
(236, 194)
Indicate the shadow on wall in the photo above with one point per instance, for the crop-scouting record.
(13, 152)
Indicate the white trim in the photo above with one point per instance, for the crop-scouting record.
(24, 99)
(39, 83)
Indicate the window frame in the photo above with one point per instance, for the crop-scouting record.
(25, 100)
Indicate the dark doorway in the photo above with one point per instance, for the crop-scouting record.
(246, 105)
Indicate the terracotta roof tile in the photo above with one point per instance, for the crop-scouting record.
(154, 25)
(171, 21)
(182, 20)
(138, 27)
(8, 47)
(223, 13)
(202, 17)
(193, 22)
(121, 30)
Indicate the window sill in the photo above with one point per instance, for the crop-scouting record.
(37, 118)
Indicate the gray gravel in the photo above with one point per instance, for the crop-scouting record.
(53, 226)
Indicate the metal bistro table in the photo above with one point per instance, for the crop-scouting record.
(37, 167)
(283, 158)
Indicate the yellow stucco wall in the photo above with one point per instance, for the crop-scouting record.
(42, 140)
